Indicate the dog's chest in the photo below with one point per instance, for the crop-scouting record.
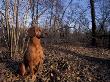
(35, 52)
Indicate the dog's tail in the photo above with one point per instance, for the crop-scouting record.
(22, 69)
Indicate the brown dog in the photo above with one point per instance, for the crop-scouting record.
(33, 58)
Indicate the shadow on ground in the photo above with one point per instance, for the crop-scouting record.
(87, 67)
(9, 63)
(101, 61)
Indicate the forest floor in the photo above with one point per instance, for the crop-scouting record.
(63, 63)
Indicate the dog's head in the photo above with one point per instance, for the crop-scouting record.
(34, 31)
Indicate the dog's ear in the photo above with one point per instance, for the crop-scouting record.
(31, 32)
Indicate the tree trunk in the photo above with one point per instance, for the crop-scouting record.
(93, 23)
(109, 40)
(7, 23)
(36, 20)
(32, 4)
(17, 24)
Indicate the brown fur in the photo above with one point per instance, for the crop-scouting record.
(34, 55)
(22, 70)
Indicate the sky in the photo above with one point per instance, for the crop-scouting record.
(83, 3)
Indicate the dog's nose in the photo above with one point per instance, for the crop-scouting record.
(42, 36)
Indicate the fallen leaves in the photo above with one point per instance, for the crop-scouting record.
(65, 63)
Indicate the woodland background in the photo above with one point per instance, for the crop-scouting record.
(78, 32)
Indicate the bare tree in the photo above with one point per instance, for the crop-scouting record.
(93, 23)
(7, 22)
(103, 14)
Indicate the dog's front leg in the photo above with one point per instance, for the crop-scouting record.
(31, 67)
(40, 67)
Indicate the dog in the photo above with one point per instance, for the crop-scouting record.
(34, 56)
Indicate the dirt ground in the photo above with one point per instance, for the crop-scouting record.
(63, 63)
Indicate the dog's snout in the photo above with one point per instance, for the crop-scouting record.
(42, 35)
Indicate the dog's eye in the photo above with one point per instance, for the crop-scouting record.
(40, 30)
